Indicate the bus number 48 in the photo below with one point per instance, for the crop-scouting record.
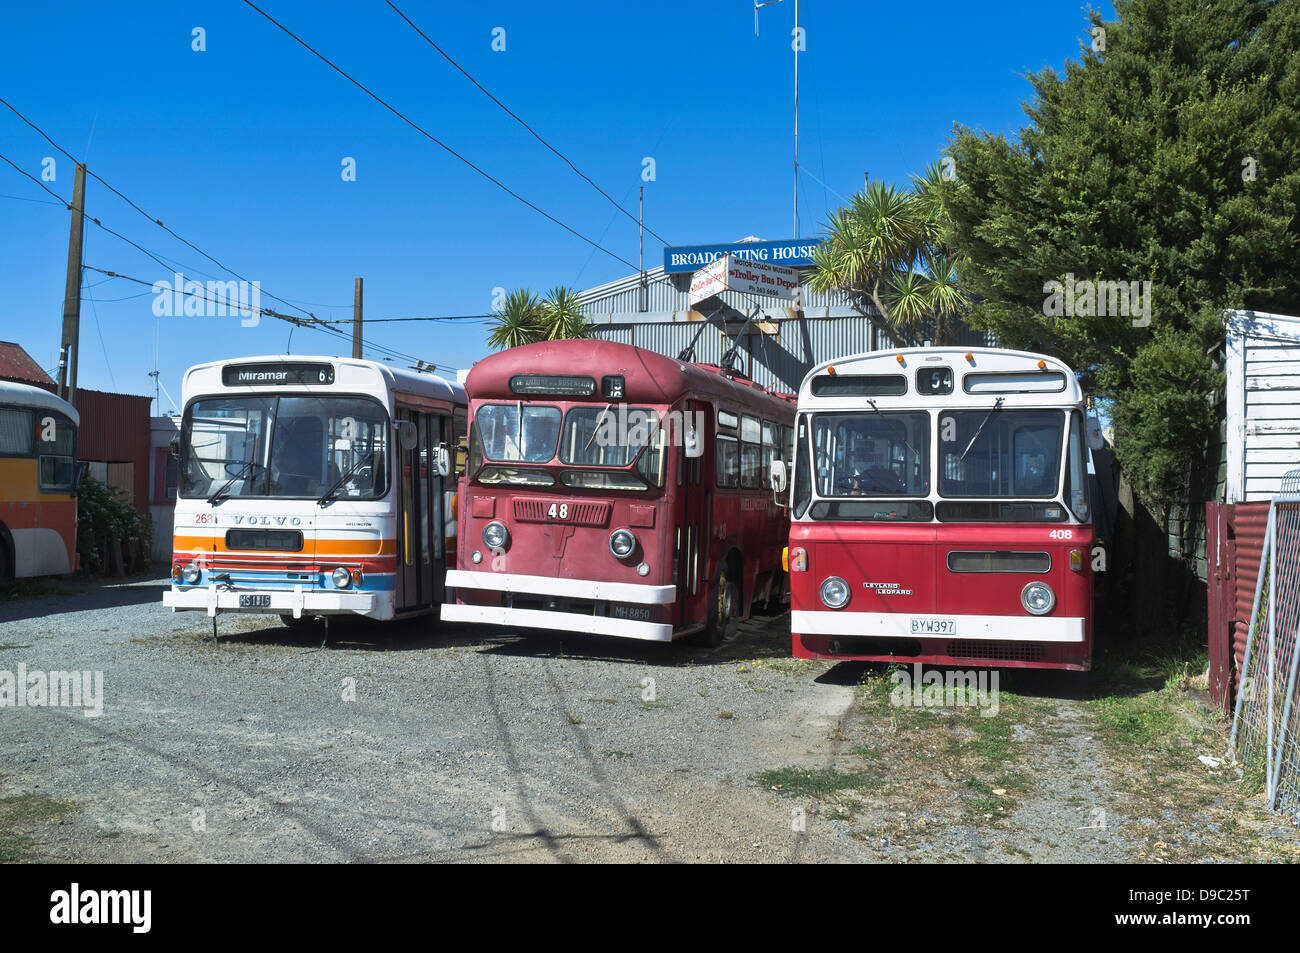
(558, 511)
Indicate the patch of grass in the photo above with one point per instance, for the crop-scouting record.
(35, 589)
(656, 706)
(815, 782)
(1144, 721)
(25, 810)
(574, 719)
(12, 645)
(618, 755)
(993, 740)
(604, 701)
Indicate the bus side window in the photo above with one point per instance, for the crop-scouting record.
(728, 461)
(17, 432)
(750, 453)
(771, 439)
(802, 467)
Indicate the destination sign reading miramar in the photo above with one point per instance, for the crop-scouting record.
(277, 374)
(792, 253)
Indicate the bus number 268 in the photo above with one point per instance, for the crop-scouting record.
(558, 511)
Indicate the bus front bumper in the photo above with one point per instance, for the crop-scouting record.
(1025, 628)
(631, 594)
(296, 601)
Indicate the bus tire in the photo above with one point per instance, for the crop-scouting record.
(724, 602)
(6, 565)
(302, 622)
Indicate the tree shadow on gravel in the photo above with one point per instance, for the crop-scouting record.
(35, 599)
(757, 638)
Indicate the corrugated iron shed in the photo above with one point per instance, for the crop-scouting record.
(779, 347)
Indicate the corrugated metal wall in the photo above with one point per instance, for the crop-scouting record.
(831, 326)
(1236, 538)
(778, 360)
(115, 429)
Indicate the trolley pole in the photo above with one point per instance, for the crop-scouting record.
(641, 302)
(356, 320)
(70, 348)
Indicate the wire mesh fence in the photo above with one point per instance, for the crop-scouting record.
(1266, 724)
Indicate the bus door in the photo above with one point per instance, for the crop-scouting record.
(410, 511)
(692, 587)
(421, 551)
(433, 501)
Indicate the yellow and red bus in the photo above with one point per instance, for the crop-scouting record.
(38, 482)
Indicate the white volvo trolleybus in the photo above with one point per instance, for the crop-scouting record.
(314, 486)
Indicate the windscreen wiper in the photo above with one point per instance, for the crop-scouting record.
(216, 497)
(345, 476)
(997, 405)
(902, 428)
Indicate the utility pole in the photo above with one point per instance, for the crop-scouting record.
(70, 348)
(642, 303)
(356, 320)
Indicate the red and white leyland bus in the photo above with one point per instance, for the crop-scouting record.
(614, 491)
(939, 510)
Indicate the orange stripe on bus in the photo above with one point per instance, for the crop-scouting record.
(320, 547)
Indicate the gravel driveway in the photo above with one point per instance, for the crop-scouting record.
(422, 741)
(461, 744)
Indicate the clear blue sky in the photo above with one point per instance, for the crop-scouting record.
(239, 149)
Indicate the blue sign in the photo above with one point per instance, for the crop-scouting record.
(793, 253)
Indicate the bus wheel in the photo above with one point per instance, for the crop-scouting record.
(303, 622)
(724, 601)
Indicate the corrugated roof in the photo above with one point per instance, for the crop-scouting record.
(17, 365)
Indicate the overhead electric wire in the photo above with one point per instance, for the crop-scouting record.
(431, 137)
(447, 317)
(531, 130)
(309, 322)
(156, 221)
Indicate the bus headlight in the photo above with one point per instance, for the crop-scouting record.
(621, 543)
(342, 578)
(1038, 598)
(495, 535)
(191, 574)
(835, 592)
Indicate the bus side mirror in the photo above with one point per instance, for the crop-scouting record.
(442, 460)
(1095, 439)
(692, 444)
(779, 479)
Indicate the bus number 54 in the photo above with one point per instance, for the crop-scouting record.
(558, 511)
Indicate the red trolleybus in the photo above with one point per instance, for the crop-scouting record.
(312, 487)
(38, 482)
(940, 511)
(615, 491)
